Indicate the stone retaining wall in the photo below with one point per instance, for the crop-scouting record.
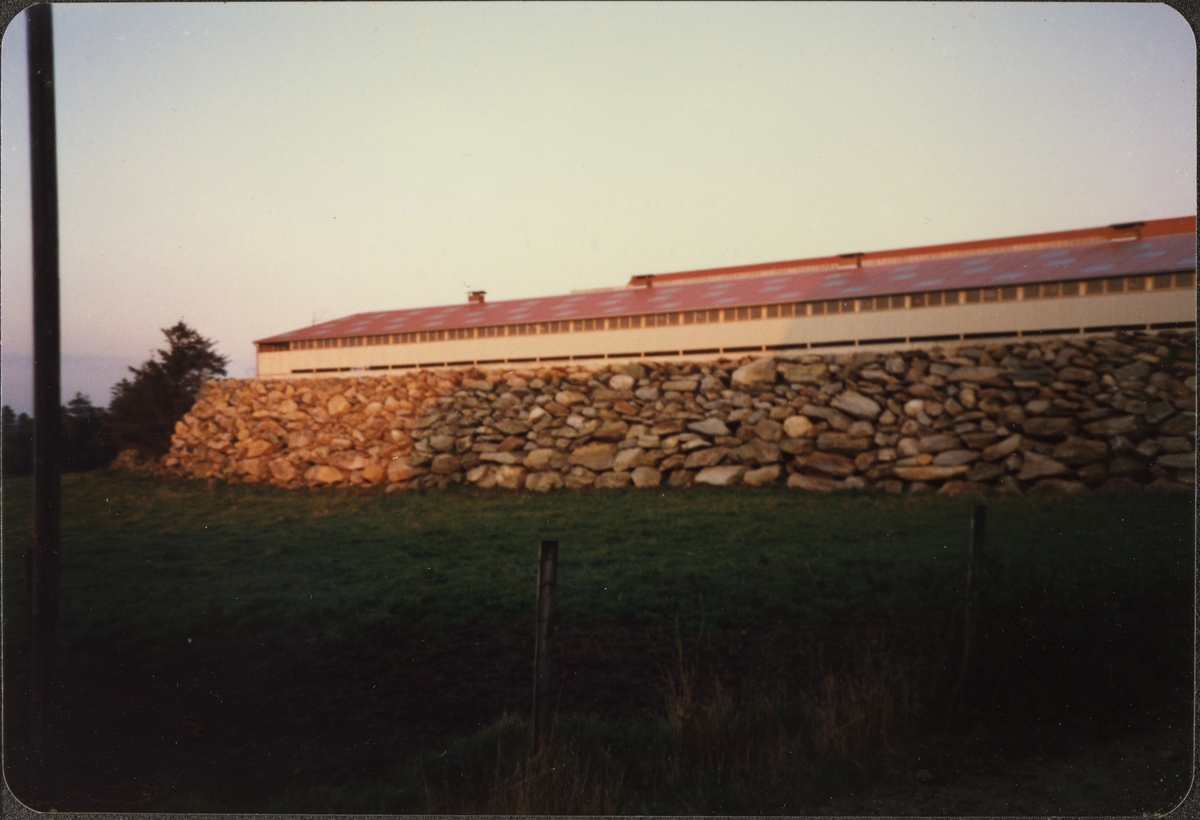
(1113, 411)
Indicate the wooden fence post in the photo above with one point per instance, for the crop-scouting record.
(971, 619)
(542, 671)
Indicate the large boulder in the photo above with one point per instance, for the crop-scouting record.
(758, 372)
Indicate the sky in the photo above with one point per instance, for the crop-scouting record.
(255, 168)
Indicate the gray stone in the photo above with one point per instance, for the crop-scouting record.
(510, 457)
(612, 480)
(1117, 426)
(985, 472)
(769, 430)
(755, 451)
(445, 464)
(681, 478)
(760, 371)
(929, 473)
(831, 441)
(804, 373)
(626, 459)
(1076, 452)
(977, 375)
(621, 381)
(1049, 427)
(1180, 425)
(828, 463)
(953, 458)
(595, 456)
(811, 483)
(761, 476)
(646, 477)
(1178, 461)
(856, 405)
(1076, 375)
(709, 427)
(545, 458)
(681, 385)
(705, 458)
(1039, 466)
(611, 431)
(1159, 411)
(543, 482)
(938, 443)
(837, 420)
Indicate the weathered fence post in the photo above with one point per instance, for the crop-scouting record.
(971, 619)
(542, 674)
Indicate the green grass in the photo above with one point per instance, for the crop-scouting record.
(154, 563)
(1078, 589)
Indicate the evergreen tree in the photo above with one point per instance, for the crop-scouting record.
(84, 447)
(143, 412)
(18, 443)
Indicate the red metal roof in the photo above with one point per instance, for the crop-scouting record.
(1150, 247)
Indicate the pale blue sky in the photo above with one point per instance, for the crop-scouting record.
(248, 167)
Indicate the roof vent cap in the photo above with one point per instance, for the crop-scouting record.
(1126, 231)
(476, 296)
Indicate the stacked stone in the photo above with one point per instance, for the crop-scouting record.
(1113, 411)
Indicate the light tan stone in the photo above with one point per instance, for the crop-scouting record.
(761, 476)
(597, 456)
(324, 474)
(543, 482)
(338, 406)
(509, 476)
(724, 476)
(797, 426)
(646, 477)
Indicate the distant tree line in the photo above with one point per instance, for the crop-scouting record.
(141, 414)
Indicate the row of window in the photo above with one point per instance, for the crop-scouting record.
(1120, 284)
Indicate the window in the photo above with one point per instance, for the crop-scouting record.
(950, 297)
(991, 294)
(1185, 280)
(1070, 288)
(1031, 291)
(818, 308)
(933, 298)
(866, 304)
(1095, 286)
(1136, 282)
(847, 305)
(1008, 293)
(972, 296)
(787, 310)
(898, 301)
(1162, 280)
(635, 321)
(772, 311)
(918, 300)
(1114, 285)
(832, 305)
(756, 312)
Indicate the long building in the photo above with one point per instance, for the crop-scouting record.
(1134, 276)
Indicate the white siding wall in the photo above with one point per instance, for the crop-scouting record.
(1068, 312)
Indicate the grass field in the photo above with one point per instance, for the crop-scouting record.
(796, 634)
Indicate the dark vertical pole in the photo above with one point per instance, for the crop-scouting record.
(971, 620)
(542, 674)
(47, 398)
